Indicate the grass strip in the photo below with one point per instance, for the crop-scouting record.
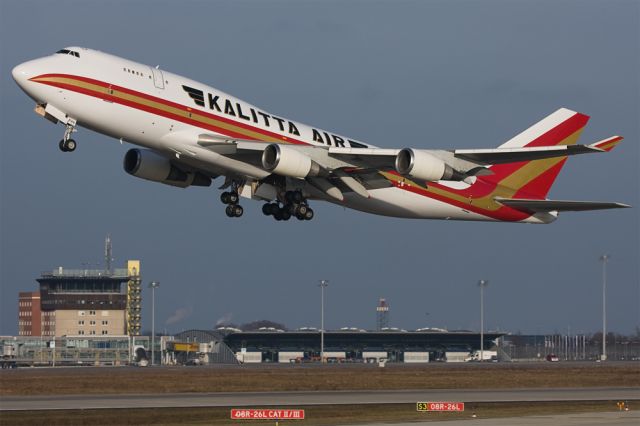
(122, 380)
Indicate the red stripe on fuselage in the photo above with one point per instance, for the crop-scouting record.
(502, 213)
(115, 99)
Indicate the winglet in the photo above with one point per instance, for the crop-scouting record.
(607, 144)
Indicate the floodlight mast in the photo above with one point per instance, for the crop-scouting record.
(604, 259)
(482, 284)
(323, 284)
(153, 285)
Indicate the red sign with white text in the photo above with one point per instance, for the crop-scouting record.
(440, 406)
(266, 414)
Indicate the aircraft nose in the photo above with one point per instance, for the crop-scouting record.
(20, 74)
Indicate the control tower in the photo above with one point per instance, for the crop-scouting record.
(382, 314)
(78, 302)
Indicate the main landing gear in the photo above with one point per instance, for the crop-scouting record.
(67, 144)
(231, 198)
(295, 205)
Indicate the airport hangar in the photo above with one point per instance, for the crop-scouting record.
(345, 345)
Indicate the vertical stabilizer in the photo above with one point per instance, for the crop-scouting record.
(533, 179)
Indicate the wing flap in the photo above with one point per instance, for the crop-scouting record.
(557, 205)
(366, 158)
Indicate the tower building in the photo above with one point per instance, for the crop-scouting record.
(382, 314)
(92, 302)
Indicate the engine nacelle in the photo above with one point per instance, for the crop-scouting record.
(285, 161)
(146, 164)
(423, 165)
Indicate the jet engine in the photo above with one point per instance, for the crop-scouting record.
(422, 165)
(286, 161)
(148, 165)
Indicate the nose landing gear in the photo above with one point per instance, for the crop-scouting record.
(67, 144)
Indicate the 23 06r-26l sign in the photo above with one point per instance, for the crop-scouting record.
(440, 406)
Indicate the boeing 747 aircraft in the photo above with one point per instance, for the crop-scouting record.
(190, 133)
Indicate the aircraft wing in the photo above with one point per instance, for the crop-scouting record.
(459, 159)
(385, 159)
(338, 169)
(557, 205)
(512, 155)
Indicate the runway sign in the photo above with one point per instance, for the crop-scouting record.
(440, 406)
(266, 414)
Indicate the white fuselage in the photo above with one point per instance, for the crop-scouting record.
(158, 131)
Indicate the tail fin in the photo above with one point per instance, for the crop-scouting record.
(533, 179)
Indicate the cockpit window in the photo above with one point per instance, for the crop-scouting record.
(68, 52)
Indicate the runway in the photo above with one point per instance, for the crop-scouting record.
(245, 399)
(617, 418)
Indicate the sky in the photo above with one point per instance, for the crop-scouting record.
(424, 74)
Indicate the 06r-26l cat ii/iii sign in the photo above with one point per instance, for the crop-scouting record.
(192, 133)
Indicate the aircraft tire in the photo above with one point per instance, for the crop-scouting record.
(273, 208)
(61, 146)
(266, 209)
(70, 145)
(309, 215)
(224, 197)
(237, 210)
(230, 211)
(233, 197)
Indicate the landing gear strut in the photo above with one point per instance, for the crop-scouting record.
(231, 198)
(67, 144)
(294, 205)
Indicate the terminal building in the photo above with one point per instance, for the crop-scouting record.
(350, 345)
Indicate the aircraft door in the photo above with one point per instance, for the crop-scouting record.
(158, 79)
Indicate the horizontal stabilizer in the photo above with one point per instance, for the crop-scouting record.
(557, 205)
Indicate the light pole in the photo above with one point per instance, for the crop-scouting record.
(323, 284)
(604, 258)
(153, 285)
(482, 284)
